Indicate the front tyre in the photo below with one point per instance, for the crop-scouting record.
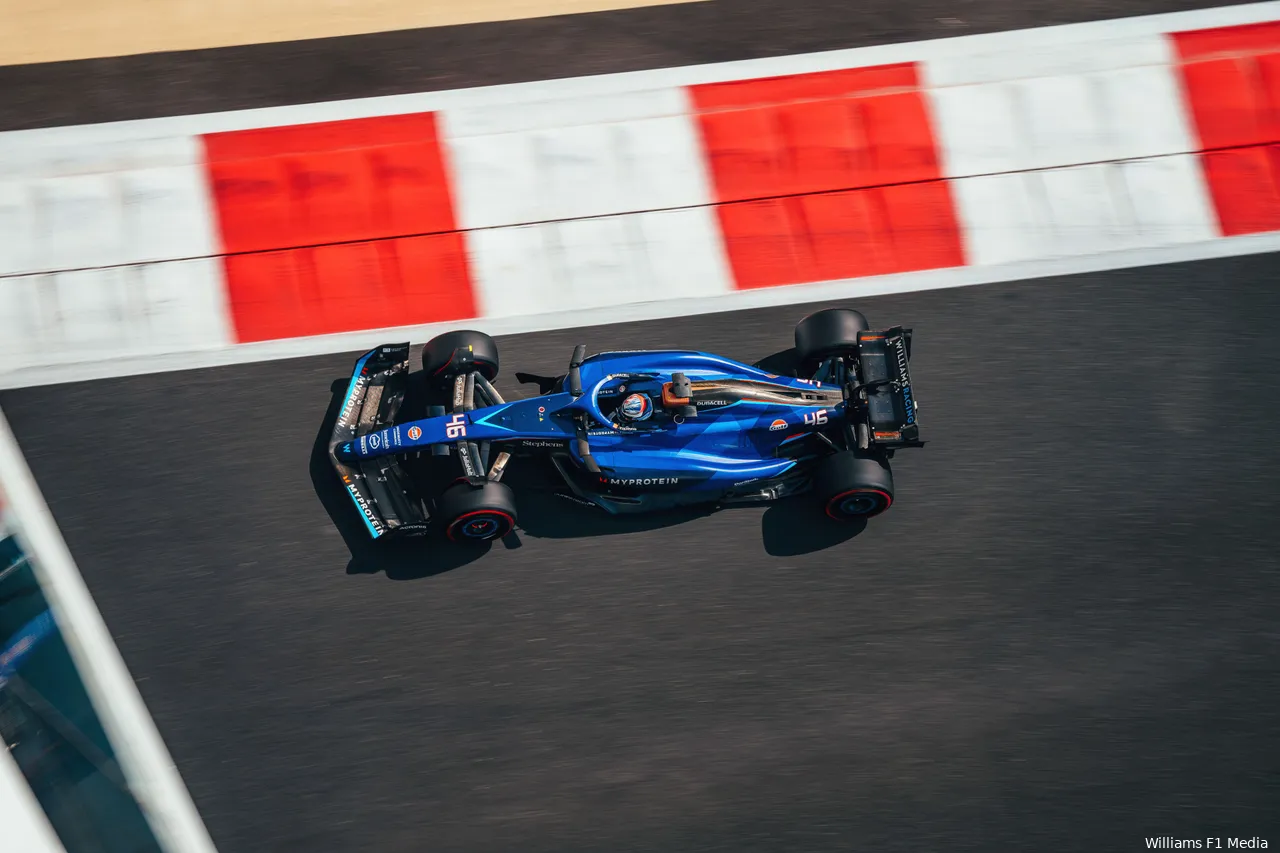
(470, 513)
(440, 355)
(853, 485)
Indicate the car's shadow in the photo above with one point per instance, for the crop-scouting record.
(788, 528)
(407, 559)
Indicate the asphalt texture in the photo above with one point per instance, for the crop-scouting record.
(1062, 637)
(158, 84)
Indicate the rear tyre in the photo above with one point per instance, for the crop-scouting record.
(831, 331)
(438, 354)
(470, 513)
(853, 485)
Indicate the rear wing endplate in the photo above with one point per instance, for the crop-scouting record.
(891, 405)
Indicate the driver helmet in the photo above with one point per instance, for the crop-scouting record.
(636, 407)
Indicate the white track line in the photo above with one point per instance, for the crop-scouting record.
(150, 772)
(857, 288)
(26, 827)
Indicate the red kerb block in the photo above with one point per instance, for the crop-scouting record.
(338, 226)
(827, 175)
(1231, 78)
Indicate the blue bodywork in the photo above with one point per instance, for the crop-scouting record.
(746, 419)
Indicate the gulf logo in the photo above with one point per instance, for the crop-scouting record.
(777, 425)
(415, 433)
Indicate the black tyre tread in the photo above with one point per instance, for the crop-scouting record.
(827, 332)
(437, 352)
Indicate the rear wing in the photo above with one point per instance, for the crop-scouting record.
(885, 391)
(379, 487)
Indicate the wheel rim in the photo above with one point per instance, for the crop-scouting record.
(481, 525)
(859, 503)
(479, 528)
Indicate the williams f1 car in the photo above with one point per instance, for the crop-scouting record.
(631, 431)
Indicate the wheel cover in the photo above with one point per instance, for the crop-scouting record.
(480, 525)
(856, 503)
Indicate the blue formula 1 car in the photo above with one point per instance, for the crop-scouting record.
(627, 432)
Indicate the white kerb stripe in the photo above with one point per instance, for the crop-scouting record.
(1064, 152)
(89, 205)
(114, 312)
(546, 161)
(1021, 109)
(588, 206)
(145, 762)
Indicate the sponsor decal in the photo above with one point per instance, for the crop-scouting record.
(365, 508)
(457, 426)
(902, 359)
(364, 444)
(375, 440)
(541, 442)
(357, 391)
(469, 466)
(887, 436)
(413, 527)
(810, 382)
(779, 424)
(816, 418)
(643, 481)
(711, 403)
(907, 400)
(415, 433)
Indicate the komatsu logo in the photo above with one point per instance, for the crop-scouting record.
(644, 481)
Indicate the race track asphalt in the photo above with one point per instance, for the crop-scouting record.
(1062, 637)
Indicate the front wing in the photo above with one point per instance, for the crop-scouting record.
(382, 492)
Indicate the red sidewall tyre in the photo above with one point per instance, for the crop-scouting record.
(481, 513)
(858, 503)
(851, 485)
(482, 525)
